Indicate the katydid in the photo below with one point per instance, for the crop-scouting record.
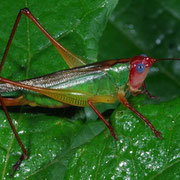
(82, 85)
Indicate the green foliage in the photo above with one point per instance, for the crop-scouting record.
(151, 28)
(60, 143)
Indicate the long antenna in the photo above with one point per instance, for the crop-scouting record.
(167, 59)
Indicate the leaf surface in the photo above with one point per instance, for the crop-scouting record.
(60, 143)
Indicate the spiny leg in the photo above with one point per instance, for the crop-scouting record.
(24, 155)
(103, 119)
(145, 91)
(124, 101)
(70, 58)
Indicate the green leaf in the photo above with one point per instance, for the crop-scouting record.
(61, 145)
(137, 154)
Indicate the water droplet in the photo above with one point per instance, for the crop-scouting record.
(21, 132)
(158, 41)
(178, 47)
(40, 155)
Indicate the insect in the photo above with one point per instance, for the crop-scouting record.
(82, 85)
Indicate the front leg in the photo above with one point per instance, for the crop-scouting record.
(124, 101)
(145, 91)
(101, 117)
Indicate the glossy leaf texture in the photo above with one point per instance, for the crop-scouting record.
(137, 154)
(152, 28)
(60, 142)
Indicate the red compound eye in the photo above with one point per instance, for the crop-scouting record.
(139, 68)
